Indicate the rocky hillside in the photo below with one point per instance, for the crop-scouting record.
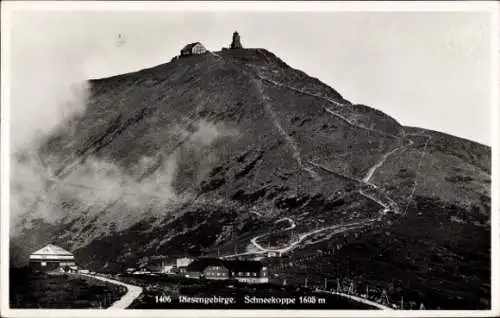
(165, 160)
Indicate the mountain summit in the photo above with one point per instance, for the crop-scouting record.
(236, 152)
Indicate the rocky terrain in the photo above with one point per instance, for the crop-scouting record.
(165, 160)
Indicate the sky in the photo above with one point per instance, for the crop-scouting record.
(426, 69)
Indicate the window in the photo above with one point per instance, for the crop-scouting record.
(248, 274)
(240, 274)
(254, 274)
(234, 274)
(218, 274)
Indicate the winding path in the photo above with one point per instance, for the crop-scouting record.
(330, 100)
(378, 164)
(135, 291)
(258, 246)
(262, 250)
(132, 292)
(328, 110)
(292, 223)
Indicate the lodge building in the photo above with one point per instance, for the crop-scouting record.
(181, 264)
(52, 258)
(217, 269)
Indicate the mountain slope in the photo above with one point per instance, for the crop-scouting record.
(165, 159)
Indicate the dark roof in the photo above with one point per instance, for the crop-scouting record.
(243, 266)
(235, 266)
(200, 264)
(190, 46)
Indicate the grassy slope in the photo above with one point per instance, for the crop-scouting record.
(64, 291)
(423, 257)
(135, 115)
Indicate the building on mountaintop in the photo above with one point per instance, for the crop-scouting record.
(193, 49)
(52, 258)
(236, 44)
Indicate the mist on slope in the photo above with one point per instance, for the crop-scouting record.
(49, 90)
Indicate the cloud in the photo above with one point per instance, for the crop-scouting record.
(101, 189)
(53, 54)
(49, 72)
(48, 88)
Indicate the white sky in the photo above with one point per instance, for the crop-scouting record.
(426, 69)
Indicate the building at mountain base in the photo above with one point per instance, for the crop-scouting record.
(253, 272)
(181, 264)
(52, 258)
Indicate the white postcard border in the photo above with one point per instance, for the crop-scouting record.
(488, 6)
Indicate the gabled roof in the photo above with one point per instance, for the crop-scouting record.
(51, 250)
(190, 46)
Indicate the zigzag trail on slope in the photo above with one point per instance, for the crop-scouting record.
(301, 91)
(387, 207)
(254, 239)
(296, 152)
(291, 246)
(395, 206)
(291, 142)
(377, 165)
(329, 100)
(372, 170)
(328, 110)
